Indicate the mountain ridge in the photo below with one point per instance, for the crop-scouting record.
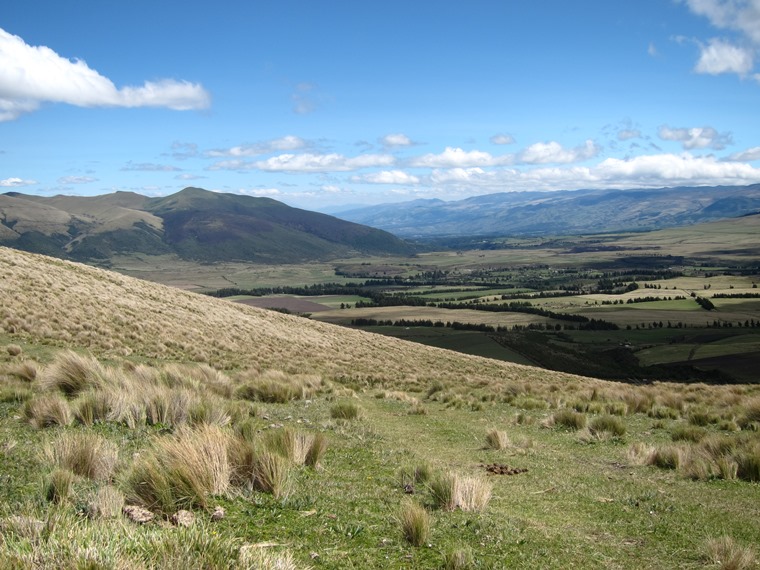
(194, 224)
(562, 212)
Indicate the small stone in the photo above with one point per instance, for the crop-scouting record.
(218, 514)
(137, 514)
(183, 518)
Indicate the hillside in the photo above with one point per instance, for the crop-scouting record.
(561, 213)
(147, 427)
(193, 224)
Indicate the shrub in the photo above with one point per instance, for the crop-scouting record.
(569, 419)
(727, 555)
(47, 411)
(344, 411)
(607, 425)
(85, 454)
(497, 439)
(415, 523)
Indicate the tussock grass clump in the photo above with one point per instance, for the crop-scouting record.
(257, 557)
(663, 413)
(344, 411)
(415, 523)
(726, 554)
(691, 433)
(181, 471)
(72, 373)
(270, 473)
(13, 350)
(458, 558)
(568, 419)
(748, 463)
(666, 457)
(276, 387)
(107, 503)
(25, 371)
(468, 493)
(86, 454)
(47, 410)
(497, 439)
(297, 447)
(607, 426)
(91, 407)
(750, 416)
(59, 486)
(418, 475)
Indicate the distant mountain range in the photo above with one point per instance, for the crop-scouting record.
(560, 213)
(194, 224)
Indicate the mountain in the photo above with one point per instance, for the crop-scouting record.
(564, 212)
(194, 224)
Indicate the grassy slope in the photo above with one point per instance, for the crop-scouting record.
(583, 502)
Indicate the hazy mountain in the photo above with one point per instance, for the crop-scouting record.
(567, 212)
(195, 224)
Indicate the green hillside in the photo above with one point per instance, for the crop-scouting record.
(146, 427)
(193, 224)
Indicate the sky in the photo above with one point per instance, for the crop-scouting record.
(330, 104)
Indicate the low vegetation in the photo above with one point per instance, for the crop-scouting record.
(164, 409)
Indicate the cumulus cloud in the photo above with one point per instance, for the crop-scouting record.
(553, 152)
(502, 139)
(16, 183)
(31, 75)
(282, 144)
(76, 180)
(387, 177)
(189, 177)
(748, 155)
(458, 158)
(396, 140)
(149, 167)
(719, 57)
(697, 137)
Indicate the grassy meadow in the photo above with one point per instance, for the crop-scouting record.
(142, 426)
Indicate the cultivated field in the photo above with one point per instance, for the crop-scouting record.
(147, 427)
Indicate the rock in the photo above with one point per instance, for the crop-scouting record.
(218, 514)
(137, 514)
(183, 518)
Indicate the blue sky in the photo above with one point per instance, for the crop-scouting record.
(322, 104)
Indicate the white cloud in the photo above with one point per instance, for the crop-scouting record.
(286, 143)
(16, 183)
(189, 177)
(458, 158)
(387, 177)
(460, 175)
(628, 134)
(31, 75)
(149, 167)
(396, 140)
(739, 15)
(502, 139)
(76, 180)
(748, 155)
(308, 162)
(721, 57)
(553, 152)
(261, 192)
(652, 50)
(697, 137)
